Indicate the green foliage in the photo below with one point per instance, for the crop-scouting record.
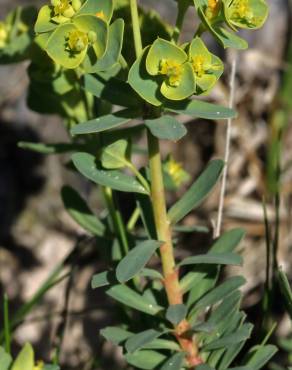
(82, 67)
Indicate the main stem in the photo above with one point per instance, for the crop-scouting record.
(163, 228)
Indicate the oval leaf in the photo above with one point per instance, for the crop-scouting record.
(85, 164)
(220, 292)
(113, 90)
(166, 128)
(176, 313)
(135, 260)
(80, 212)
(200, 109)
(103, 123)
(175, 362)
(198, 191)
(115, 334)
(25, 359)
(146, 360)
(240, 335)
(228, 241)
(213, 259)
(140, 340)
(129, 297)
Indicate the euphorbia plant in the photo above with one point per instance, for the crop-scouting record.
(176, 315)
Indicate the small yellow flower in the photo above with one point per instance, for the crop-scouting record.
(175, 171)
(77, 41)
(3, 34)
(172, 70)
(213, 8)
(39, 366)
(200, 65)
(241, 10)
(100, 15)
(63, 8)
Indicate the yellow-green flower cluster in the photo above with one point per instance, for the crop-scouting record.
(75, 32)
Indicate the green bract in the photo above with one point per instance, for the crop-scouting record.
(207, 67)
(170, 64)
(173, 73)
(62, 11)
(16, 35)
(250, 14)
(82, 40)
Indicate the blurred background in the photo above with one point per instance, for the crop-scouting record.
(36, 233)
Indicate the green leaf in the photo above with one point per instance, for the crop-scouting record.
(166, 128)
(86, 165)
(115, 155)
(240, 335)
(153, 274)
(175, 362)
(25, 359)
(145, 85)
(229, 39)
(200, 109)
(102, 279)
(115, 334)
(204, 367)
(213, 259)
(136, 260)
(176, 313)
(80, 212)
(285, 290)
(147, 216)
(129, 297)
(49, 148)
(201, 282)
(225, 38)
(146, 360)
(112, 90)
(44, 23)
(220, 292)
(198, 191)
(113, 50)
(104, 123)
(98, 6)
(230, 355)
(225, 308)
(140, 340)
(163, 344)
(5, 359)
(51, 367)
(259, 356)
(228, 241)
(203, 327)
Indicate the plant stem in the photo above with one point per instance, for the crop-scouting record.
(162, 224)
(163, 229)
(116, 218)
(136, 27)
(140, 177)
(7, 325)
(182, 9)
(133, 220)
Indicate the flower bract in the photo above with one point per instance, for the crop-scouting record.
(250, 14)
(170, 64)
(207, 67)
